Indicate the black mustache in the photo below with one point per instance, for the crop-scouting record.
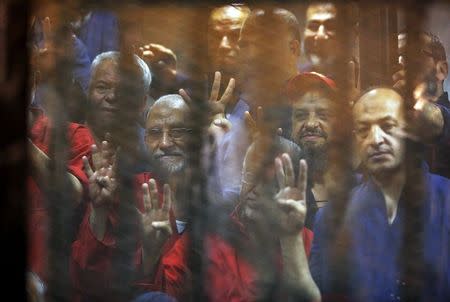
(315, 133)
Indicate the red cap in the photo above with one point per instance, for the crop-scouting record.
(305, 81)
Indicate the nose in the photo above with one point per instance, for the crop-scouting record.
(311, 122)
(321, 33)
(111, 95)
(225, 43)
(376, 136)
(166, 141)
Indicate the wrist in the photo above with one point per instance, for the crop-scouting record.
(97, 221)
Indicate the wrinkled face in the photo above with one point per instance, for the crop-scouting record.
(223, 35)
(311, 121)
(103, 92)
(320, 34)
(168, 134)
(379, 120)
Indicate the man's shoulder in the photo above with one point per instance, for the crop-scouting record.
(438, 185)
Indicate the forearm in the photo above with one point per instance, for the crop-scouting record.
(98, 220)
(150, 260)
(296, 274)
(40, 167)
(433, 120)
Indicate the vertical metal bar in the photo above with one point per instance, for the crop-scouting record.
(411, 256)
(126, 137)
(60, 200)
(14, 97)
(339, 161)
(196, 192)
(378, 43)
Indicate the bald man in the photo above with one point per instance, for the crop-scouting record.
(381, 208)
(161, 254)
(265, 68)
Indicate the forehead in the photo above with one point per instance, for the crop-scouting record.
(227, 16)
(172, 112)
(106, 69)
(319, 12)
(378, 105)
(424, 41)
(313, 100)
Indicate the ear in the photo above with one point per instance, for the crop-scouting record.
(441, 70)
(295, 46)
(143, 104)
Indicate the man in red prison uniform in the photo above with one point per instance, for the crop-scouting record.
(269, 242)
(161, 255)
(79, 141)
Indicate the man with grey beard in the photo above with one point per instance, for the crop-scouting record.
(312, 96)
(167, 133)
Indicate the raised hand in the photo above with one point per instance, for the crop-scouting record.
(102, 182)
(162, 60)
(254, 126)
(219, 123)
(291, 199)
(155, 219)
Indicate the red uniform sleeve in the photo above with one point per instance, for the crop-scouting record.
(228, 276)
(81, 141)
(173, 275)
(91, 262)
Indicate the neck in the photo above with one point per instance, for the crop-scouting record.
(97, 132)
(391, 185)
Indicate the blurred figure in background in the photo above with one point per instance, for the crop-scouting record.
(261, 82)
(431, 114)
(224, 27)
(244, 261)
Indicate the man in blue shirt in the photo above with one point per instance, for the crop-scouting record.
(387, 222)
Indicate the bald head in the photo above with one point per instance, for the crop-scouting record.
(168, 133)
(379, 121)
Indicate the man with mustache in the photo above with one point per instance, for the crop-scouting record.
(106, 106)
(160, 263)
(397, 218)
(313, 100)
(166, 133)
